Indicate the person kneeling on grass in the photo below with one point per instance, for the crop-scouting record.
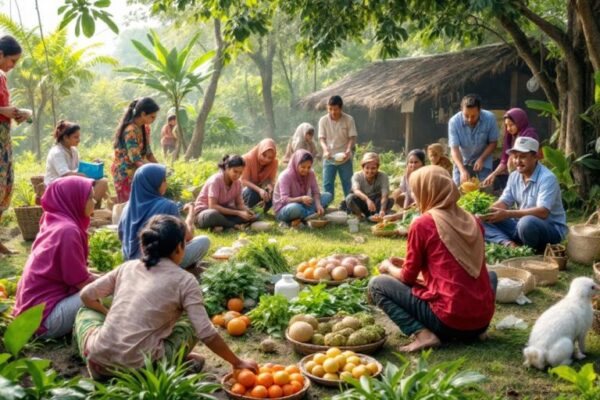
(445, 244)
(297, 193)
(259, 174)
(57, 267)
(220, 204)
(145, 318)
(540, 217)
(147, 190)
(370, 189)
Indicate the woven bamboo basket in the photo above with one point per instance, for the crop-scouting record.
(583, 245)
(596, 268)
(328, 283)
(336, 383)
(225, 381)
(503, 271)
(556, 253)
(546, 273)
(28, 219)
(309, 348)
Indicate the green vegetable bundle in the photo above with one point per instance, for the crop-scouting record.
(225, 280)
(105, 250)
(261, 254)
(409, 215)
(476, 202)
(271, 315)
(318, 301)
(495, 253)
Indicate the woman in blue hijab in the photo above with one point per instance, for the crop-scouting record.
(146, 200)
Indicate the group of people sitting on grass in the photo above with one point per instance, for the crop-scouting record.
(440, 291)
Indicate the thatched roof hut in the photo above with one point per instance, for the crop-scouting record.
(390, 99)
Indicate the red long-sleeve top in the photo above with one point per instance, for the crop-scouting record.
(460, 301)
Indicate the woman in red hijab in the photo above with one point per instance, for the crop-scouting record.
(57, 266)
(259, 174)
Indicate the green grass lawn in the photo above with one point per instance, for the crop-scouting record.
(499, 358)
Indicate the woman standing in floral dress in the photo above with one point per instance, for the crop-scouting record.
(10, 51)
(132, 144)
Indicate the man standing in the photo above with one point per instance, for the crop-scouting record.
(539, 217)
(337, 136)
(473, 134)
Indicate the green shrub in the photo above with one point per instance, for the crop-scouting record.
(105, 250)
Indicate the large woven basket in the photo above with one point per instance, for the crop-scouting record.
(28, 219)
(596, 268)
(225, 382)
(556, 253)
(503, 271)
(583, 245)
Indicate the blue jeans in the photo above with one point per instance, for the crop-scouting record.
(195, 249)
(61, 319)
(481, 175)
(294, 211)
(344, 170)
(530, 231)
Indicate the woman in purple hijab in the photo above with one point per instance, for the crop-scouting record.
(516, 124)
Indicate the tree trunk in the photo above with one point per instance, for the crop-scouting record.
(194, 150)
(289, 77)
(265, 68)
(591, 30)
(180, 133)
(36, 144)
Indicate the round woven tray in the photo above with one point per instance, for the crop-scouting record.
(503, 271)
(545, 272)
(309, 348)
(336, 383)
(28, 219)
(382, 233)
(296, 396)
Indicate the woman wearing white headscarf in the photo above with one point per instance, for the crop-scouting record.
(302, 139)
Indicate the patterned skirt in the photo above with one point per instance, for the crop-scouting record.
(6, 167)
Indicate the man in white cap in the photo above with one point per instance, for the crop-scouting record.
(530, 210)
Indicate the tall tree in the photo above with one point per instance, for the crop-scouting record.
(37, 78)
(263, 56)
(172, 73)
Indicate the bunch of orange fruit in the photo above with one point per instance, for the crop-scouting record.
(233, 320)
(272, 381)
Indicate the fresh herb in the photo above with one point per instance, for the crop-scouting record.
(271, 315)
(105, 250)
(408, 217)
(476, 202)
(317, 300)
(262, 254)
(495, 253)
(226, 280)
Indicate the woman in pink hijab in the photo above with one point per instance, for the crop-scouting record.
(259, 174)
(516, 124)
(297, 194)
(57, 267)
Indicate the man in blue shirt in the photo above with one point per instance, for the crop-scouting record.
(472, 136)
(539, 217)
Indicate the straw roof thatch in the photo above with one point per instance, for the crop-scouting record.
(391, 82)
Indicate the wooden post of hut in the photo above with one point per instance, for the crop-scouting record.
(408, 108)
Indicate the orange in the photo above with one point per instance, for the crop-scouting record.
(297, 377)
(264, 379)
(288, 389)
(292, 369)
(313, 262)
(235, 304)
(236, 327)
(297, 386)
(278, 367)
(246, 320)
(246, 378)
(218, 320)
(275, 391)
(259, 391)
(264, 369)
(302, 266)
(229, 315)
(281, 378)
(238, 388)
(309, 273)
(3, 295)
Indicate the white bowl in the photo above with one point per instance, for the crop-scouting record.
(508, 290)
(337, 217)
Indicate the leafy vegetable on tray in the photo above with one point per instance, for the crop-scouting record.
(476, 202)
(262, 254)
(495, 253)
(272, 314)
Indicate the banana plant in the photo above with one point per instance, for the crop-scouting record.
(172, 73)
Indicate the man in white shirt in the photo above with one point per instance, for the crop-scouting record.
(337, 136)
